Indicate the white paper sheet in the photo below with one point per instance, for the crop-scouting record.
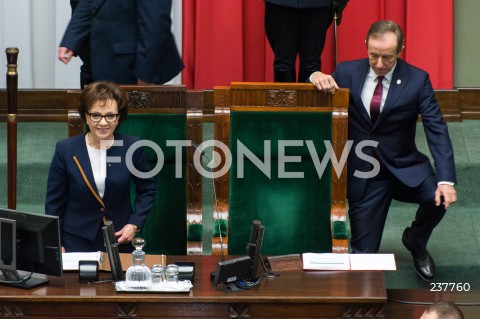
(330, 261)
(70, 260)
(314, 261)
(372, 262)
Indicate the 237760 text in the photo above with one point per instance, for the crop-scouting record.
(449, 286)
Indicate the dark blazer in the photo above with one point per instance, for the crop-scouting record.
(69, 197)
(410, 95)
(129, 40)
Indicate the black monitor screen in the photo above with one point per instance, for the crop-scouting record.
(7, 244)
(36, 247)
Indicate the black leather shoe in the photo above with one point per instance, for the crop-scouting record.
(423, 262)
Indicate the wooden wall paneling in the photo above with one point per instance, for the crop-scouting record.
(449, 104)
(36, 105)
(469, 102)
(39, 105)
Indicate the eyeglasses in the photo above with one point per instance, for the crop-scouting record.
(97, 117)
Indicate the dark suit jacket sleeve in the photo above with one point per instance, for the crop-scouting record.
(77, 34)
(436, 131)
(56, 196)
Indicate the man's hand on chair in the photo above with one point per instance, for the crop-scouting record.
(323, 82)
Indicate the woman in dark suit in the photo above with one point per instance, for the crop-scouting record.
(90, 176)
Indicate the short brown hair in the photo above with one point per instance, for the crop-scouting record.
(103, 91)
(383, 26)
(445, 310)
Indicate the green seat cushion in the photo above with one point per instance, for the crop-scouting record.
(339, 229)
(219, 228)
(195, 232)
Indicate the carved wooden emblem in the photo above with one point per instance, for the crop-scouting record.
(238, 311)
(281, 98)
(139, 100)
(127, 310)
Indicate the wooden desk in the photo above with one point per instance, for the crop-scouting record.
(294, 294)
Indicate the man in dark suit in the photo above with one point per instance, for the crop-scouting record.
(129, 41)
(386, 97)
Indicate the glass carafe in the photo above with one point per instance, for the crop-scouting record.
(138, 275)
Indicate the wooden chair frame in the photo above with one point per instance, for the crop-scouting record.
(282, 97)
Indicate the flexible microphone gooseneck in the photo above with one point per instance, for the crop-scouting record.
(215, 200)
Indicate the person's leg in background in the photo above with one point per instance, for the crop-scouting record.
(314, 24)
(281, 28)
(85, 69)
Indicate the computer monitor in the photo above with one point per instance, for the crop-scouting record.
(29, 243)
(254, 247)
(241, 273)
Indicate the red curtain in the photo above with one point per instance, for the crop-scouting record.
(224, 41)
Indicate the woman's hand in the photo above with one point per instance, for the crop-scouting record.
(126, 234)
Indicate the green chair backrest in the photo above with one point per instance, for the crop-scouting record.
(295, 210)
(165, 228)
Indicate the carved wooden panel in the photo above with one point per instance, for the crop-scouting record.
(281, 98)
(364, 311)
(139, 100)
(126, 310)
(238, 311)
(11, 310)
(51, 105)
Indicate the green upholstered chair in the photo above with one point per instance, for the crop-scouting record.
(302, 213)
(159, 114)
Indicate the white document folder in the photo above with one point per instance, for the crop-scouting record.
(340, 261)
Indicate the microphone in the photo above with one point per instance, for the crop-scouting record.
(215, 200)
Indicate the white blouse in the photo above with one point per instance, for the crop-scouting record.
(98, 160)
